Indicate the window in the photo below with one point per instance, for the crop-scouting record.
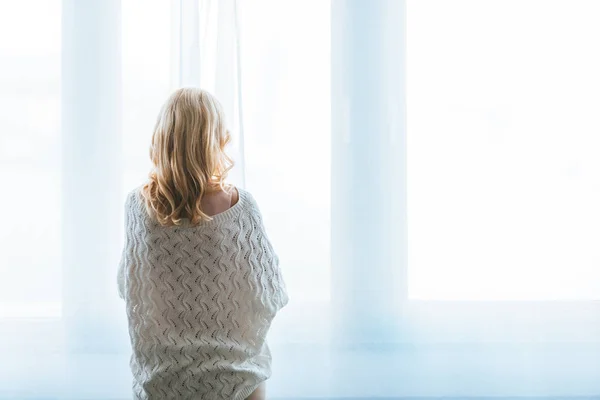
(285, 92)
(503, 140)
(502, 282)
(147, 67)
(30, 148)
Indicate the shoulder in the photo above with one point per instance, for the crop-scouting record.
(249, 204)
(134, 198)
(247, 199)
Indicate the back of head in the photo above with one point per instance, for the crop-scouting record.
(188, 156)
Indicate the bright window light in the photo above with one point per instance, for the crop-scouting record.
(286, 106)
(146, 62)
(30, 145)
(503, 143)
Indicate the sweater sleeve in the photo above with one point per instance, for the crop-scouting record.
(126, 252)
(280, 296)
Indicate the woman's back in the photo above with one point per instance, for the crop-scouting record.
(200, 299)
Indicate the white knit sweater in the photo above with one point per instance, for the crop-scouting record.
(200, 300)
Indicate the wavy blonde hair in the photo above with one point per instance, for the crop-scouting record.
(188, 153)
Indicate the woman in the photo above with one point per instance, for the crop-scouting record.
(200, 279)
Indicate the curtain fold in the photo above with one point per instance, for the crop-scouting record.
(206, 39)
(91, 172)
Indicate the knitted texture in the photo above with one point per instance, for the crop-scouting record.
(199, 300)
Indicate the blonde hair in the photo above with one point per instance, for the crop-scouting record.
(188, 153)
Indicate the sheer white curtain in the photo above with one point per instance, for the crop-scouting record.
(206, 52)
(30, 157)
(82, 83)
(171, 44)
(466, 129)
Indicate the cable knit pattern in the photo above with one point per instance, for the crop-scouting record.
(200, 300)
